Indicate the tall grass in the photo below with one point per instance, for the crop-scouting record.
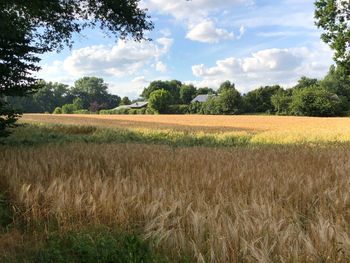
(269, 204)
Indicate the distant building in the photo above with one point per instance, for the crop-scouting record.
(136, 105)
(202, 98)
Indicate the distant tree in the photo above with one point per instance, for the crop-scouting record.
(259, 100)
(187, 93)
(173, 87)
(125, 101)
(94, 90)
(160, 100)
(230, 101)
(333, 16)
(225, 86)
(31, 28)
(281, 101)
(305, 82)
(205, 90)
(315, 101)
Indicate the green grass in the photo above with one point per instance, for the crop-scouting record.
(99, 245)
(38, 134)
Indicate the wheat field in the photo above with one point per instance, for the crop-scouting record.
(245, 204)
(261, 129)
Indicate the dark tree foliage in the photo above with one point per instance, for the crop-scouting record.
(205, 90)
(259, 100)
(225, 86)
(333, 16)
(173, 87)
(31, 28)
(187, 93)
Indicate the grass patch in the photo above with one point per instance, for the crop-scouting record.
(89, 246)
(6, 216)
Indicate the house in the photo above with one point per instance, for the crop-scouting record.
(202, 98)
(135, 105)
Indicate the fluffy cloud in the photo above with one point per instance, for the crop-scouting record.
(269, 66)
(196, 16)
(207, 33)
(124, 58)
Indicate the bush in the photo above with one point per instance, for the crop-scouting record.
(58, 110)
(160, 100)
(68, 108)
(178, 109)
(81, 112)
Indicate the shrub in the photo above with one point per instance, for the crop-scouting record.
(178, 109)
(58, 110)
(160, 100)
(68, 108)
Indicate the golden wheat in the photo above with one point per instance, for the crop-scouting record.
(263, 129)
(268, 204)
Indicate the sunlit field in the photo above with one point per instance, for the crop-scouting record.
(268, 189)
(264, 129)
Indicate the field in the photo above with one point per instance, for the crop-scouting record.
(190, 188)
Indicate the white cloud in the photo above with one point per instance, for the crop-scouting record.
(207, 33)
(161, 67)
(196, 16)
(266, 67)
(124, 58)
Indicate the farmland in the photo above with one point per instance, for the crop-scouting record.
(266, 189)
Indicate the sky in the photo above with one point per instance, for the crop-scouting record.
(252, 43)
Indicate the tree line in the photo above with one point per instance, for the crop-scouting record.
(310, 97)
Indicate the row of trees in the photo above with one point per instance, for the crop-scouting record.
(310, 97)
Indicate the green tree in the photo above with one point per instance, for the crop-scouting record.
(187, 93)
(315, 101)
(230, 101)
(259, 100)
(160, 100)
(205, 90)
(31, 28)
(125, 101)
(333, 16)
(225, 86)
(93, 90)
(281, 101)
(305, 82)
(173, 87)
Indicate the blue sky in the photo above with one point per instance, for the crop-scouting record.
(204, 42)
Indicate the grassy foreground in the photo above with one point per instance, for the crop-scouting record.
(69, 188)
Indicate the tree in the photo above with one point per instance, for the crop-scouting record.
(225, 86)
(230, 101)
(173, 87)
(31, 28)
(305, 82)
(259, 100)
(125, 101)
(93, 90)
(333, 16)
(281, 101)
(205, 90)
(315, 101)
(187, 93)
(159, 100)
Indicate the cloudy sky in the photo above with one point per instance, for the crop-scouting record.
(204, 42)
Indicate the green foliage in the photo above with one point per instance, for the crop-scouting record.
(93, 93)
(125, 101)
(281, 101)
(315, 101)
(69, 108)
(8, 118)
(187, 93)
(226, 86)
(90, 246)
(230, 100)
(160, 100)
(173, 87)
(305, 82)
(259, 100)
(206, 90)
(58, 110)
(177, 109)
(333, 17)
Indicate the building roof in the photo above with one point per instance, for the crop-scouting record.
(122, 107)
(202, 98)
(139, 104)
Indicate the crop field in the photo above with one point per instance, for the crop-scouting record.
(256, 192)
